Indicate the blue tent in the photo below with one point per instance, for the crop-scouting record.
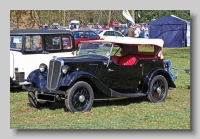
(171, 29)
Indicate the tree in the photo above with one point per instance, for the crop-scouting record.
(24, 19)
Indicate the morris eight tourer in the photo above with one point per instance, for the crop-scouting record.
(118, 68)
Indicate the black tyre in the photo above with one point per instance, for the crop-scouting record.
(158, 89)
(79, 97)
(36, 103)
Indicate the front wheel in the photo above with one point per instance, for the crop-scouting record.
(36, 103)
(158, 89)
(79, 97)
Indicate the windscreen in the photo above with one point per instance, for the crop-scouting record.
(103, 49)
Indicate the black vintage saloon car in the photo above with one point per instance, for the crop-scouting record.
(118, 68)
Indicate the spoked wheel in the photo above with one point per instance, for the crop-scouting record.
(79, 97)
(158, 89)
(35, 102)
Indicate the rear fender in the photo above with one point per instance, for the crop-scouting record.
(158, 71)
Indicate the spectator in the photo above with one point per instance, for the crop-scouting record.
(75, 27)
(142, 32)
(137, 32)
(130, 31)
(126, 28)
(72, 28)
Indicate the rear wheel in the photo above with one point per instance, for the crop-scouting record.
(79, 97)
(158, 89)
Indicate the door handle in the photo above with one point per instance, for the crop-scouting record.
(110, 70)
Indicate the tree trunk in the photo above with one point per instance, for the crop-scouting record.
(24, 19)
(68, 16)
(109, 17)
(64, 17)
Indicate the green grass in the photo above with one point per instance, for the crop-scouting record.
(136, 113)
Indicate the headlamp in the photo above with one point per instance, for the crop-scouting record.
(43, 67)
(65, 68)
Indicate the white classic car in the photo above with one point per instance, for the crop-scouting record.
(28, 48)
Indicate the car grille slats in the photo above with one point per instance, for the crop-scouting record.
(54, 73)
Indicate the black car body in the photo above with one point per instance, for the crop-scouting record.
(97, 73)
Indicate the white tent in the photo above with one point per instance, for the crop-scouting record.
(188, 29)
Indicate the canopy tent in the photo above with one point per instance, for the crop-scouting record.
(173, 30)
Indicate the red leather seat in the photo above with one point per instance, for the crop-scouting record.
(115, 59)
(127, 60)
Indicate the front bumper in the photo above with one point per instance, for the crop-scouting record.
(17, 83)
(45, 91)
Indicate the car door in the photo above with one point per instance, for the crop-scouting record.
(123, 78)
(93, 36)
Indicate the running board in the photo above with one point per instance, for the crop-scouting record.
(117, 94)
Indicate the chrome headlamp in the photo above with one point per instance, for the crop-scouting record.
(65, 68)
(43, 67)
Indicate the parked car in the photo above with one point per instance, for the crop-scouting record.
(55, 26)
(75, 23)
(28, 48)
(110, 34)
(99, 71)
(115, 23)
(83, 35)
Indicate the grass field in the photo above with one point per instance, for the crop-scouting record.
(136, 113)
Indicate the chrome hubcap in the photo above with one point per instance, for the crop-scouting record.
(159, 90)
(81, 98)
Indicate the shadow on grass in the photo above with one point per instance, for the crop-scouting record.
(102, 103)
(17, 89)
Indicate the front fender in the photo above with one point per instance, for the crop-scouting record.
(38, 78)
(151, 74)
(73, 77)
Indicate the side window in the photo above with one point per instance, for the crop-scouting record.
(106, 33)
(109, 33)
(66, 41)
(16, 42)
(78, 34)
(92, 34)
(117, 34)
(33, 43)
(86, 35)
(52, 42)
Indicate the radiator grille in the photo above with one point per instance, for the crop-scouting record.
(54, 74)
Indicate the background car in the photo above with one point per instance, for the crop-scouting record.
(28, 48)
(110, 34)
(75, 22)
(55, 26)
(115, 23)
(84, 35)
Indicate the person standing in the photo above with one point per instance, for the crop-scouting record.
(137, 32)
(142, 32)
(126, 28)
(130, 31)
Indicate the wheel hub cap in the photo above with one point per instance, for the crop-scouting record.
(81, 98)
(158, 90)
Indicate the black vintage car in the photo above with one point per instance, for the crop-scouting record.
(119, 68)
